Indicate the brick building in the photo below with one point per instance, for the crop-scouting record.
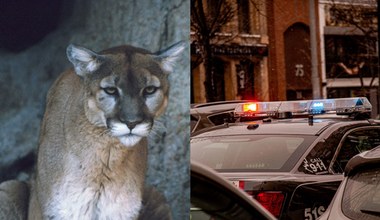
(240, 50)
(289, 49)
(280, 28)
(345, 57)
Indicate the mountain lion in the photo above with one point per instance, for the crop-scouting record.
(92, 152)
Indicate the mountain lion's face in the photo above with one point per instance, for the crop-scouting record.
(126, 88)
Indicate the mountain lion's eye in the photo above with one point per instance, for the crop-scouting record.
(150, 90)
(110, 90)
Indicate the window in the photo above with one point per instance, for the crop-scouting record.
(349, 56)
(194, 120)
(221, 118)
(318, 160)
(361, 198)
(244, 18)
(354, 143)
(246, 153)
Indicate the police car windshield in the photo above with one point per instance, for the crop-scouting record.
(253, 152)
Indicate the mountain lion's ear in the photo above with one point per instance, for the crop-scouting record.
(170, 55)
(84, 60)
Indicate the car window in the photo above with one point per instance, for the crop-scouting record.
(354, 143)
(194, 120)
(241, 153)
(220, 118)
(320, 157)
(361, 197)
(199, 214)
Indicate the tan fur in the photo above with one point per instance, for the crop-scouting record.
(84, 171)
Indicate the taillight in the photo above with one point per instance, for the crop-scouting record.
(241, 185)
(272, 201)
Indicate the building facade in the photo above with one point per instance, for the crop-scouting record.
(349, 34)
(266, 51)
(290, 66)
(240, 51)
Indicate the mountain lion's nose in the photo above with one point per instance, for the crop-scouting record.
(131, 124)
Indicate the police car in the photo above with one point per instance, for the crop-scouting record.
(358, 196)
(290, 155)
(206, 115)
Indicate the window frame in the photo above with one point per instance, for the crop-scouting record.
(342, 142)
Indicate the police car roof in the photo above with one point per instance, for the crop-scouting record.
(299, 126)
(366, 159)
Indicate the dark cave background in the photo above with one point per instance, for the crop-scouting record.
(34, 35)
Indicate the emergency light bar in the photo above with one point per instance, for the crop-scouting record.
(339, 106)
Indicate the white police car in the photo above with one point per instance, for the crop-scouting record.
(358, 197)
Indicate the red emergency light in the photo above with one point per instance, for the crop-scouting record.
(250, 107)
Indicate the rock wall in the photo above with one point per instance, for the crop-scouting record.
(25, 77)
